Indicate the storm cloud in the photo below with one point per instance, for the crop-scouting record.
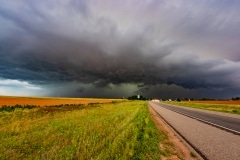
(117, 48)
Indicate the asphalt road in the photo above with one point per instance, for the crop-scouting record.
(209, 141)
(231, 124)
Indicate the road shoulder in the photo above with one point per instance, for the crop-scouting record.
(183, 151)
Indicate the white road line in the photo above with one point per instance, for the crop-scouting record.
(207, 122)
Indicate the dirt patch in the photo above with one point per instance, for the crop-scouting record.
(181, 149)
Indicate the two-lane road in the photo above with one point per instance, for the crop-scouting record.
(230, 123)
(211, 142)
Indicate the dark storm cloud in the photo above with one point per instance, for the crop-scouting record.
(190, 44)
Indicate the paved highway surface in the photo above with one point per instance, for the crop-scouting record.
(231, 124)
(209, 141)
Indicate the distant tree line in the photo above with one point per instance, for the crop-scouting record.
(199, 99)
(135, 97)
(140, 97)
(236, 98)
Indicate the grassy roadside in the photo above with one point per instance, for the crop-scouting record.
(120, 130)
(227, 108)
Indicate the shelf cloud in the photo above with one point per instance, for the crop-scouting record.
(112, 48)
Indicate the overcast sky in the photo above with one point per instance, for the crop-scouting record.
(116, 48)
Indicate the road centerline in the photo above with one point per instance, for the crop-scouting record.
(230, 124)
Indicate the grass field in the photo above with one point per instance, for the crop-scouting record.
(116, 130)
(220, 106)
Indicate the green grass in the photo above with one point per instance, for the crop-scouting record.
(192, 154)
(122, 130)
(227, 108)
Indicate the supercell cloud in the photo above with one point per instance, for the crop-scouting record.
(110, 48)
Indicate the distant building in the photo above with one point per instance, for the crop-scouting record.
(155, 100)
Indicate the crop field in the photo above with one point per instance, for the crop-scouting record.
(114, 130)
(226, 102)
(49, 101)
(218, 105)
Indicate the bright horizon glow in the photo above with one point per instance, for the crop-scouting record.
(10, 87)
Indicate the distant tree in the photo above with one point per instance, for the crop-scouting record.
(135, 97)
(178, 100)
(236, 98)
(207, 99)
